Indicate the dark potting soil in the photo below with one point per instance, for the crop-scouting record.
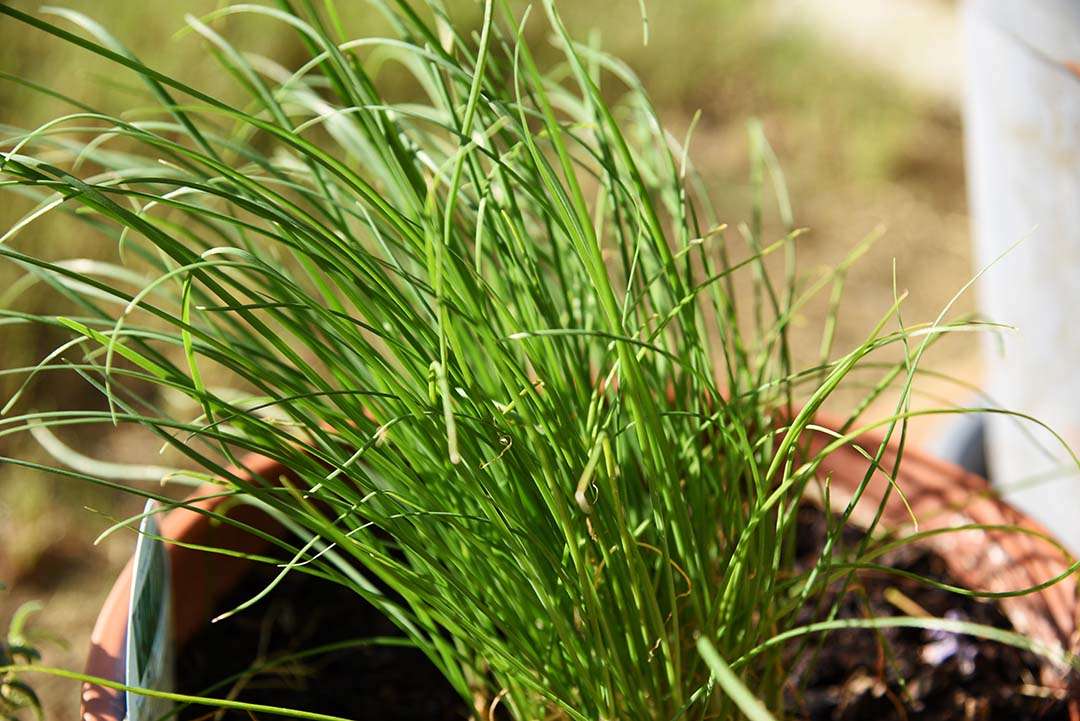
(376, 682)
(855, 674)
(905, 673)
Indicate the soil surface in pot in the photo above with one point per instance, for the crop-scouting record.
(905, 673)
(857, 674)
(388, 683)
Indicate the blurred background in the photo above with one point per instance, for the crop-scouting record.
(860, 101)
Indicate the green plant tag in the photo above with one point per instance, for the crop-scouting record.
(149, 656)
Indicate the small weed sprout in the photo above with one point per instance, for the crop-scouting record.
(18, 649)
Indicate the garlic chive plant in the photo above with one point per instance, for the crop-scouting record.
(490, 326)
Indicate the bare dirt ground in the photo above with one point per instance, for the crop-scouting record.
(917, 43)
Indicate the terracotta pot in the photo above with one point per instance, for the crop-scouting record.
(200, 579)
(941, 495)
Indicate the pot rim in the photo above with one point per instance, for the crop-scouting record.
(206, 577)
